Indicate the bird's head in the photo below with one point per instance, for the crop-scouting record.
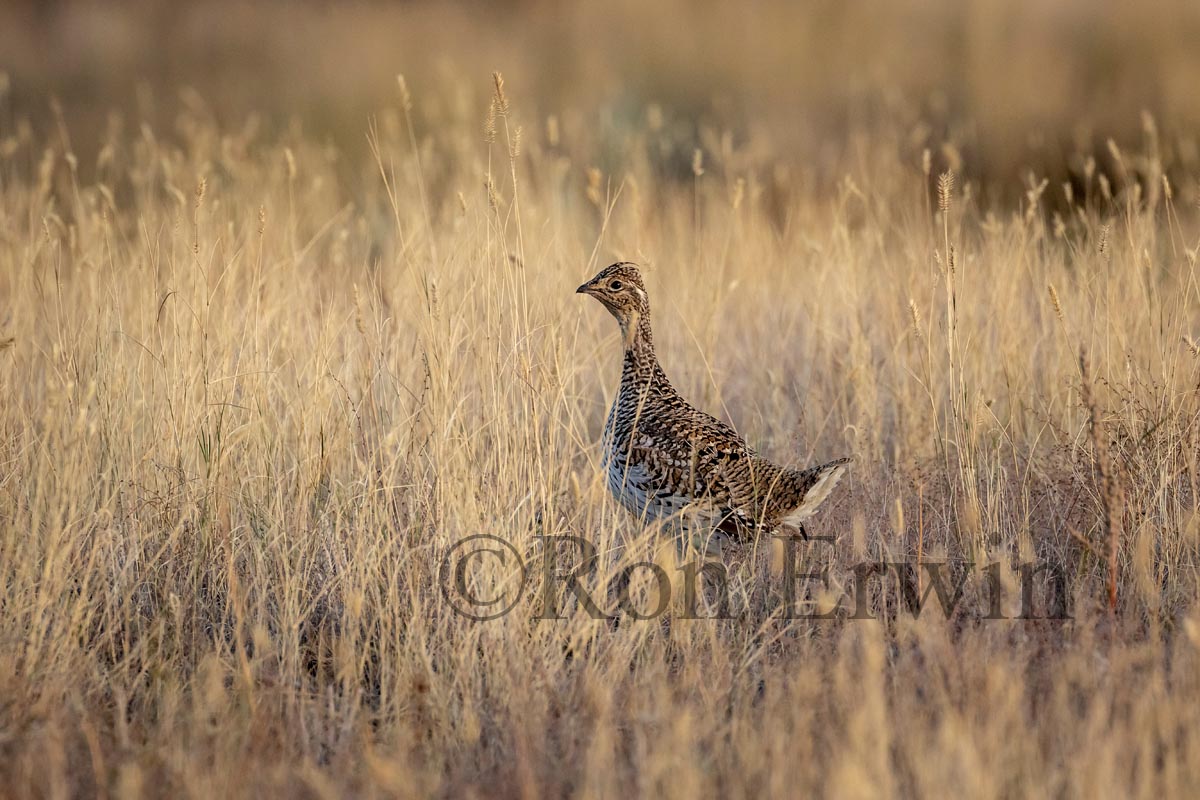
(620, 289)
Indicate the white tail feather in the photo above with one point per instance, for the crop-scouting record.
(828, 476)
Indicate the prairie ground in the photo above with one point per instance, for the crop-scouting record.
(273, 348)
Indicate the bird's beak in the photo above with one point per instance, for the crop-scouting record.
(583, 289)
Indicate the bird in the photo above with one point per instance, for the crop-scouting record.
(665, 459)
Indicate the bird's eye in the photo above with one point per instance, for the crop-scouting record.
(615, 286)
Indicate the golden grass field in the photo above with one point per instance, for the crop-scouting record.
(261, 366)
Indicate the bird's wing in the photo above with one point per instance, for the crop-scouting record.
(720, 434)
(714, 473)
(696, 456)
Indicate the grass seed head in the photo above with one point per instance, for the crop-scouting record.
(501, 98)
(1055, 302)
(405, 96)
(915, 315)
(514, 145)
(359, 323)
(945, 190)
(489, 122)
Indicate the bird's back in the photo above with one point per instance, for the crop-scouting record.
(663, 454)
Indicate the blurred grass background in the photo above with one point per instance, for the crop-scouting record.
(996, 90)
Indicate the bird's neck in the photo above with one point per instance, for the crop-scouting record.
(641, 363)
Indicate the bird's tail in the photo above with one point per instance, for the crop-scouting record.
(813, 486)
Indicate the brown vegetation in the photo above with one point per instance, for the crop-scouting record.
(256, 378)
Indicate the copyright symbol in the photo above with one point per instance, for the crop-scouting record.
(477, 579)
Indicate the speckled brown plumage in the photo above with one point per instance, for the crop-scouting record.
(662, 454)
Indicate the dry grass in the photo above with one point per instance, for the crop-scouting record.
(252, 386)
